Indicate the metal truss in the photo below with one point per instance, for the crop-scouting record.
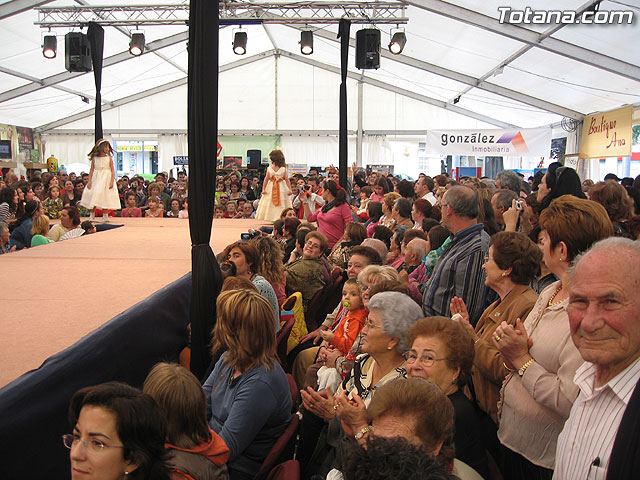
(304, 12)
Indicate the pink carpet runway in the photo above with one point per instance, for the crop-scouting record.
(53, 295)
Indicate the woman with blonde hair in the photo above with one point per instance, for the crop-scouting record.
(40, 230)
(195, 450)
(248, 396)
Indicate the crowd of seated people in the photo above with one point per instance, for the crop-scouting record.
(439, 313)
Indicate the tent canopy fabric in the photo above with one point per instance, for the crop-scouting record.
(503, 75)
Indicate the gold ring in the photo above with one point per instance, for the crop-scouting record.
(498, 338)
(335, 407)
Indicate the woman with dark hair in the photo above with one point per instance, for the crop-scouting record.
(248, 397)
(245, 257)
(374, 210)
(380, 189)
(236, 194)
(246, 190)
(559, 180)
(8, 205)
(335, 214)
(195, 450)
(354, 234)
(69, 219)
(21, 235)
(420, 210)
(618, 204)
(118, 432)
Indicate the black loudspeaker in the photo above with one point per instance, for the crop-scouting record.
(77, 52)
(368, 48)
(253, 159)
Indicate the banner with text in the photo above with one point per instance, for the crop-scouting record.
(607, 134)
(525, 142)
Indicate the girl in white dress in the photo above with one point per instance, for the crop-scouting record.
(101, 191)
(276, 189)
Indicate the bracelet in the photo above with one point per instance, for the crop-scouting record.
(524, 367)
(362, 432)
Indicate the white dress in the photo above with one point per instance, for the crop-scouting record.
(100, 195)
(267, 209)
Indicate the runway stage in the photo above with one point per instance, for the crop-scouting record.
(84, 311)
(54, 295)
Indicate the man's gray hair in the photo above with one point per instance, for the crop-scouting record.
(463, 201)
(4, 228)
(504, 198)
(379, 246)
(418, 247)
(398, 312)
(489, 182)
(509, 179)
(617, 245)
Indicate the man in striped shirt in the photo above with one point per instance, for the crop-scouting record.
(458, 271)
(604, 315)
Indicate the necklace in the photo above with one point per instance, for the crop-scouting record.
(553, 296)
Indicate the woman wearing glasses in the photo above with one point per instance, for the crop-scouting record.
(118, 433)
(384, 341)
(442, 351)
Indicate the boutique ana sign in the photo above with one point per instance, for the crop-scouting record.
(524, 142)
(607, 134)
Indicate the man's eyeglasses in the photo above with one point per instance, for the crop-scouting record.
(93, 445)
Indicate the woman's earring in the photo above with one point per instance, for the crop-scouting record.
(504, 274)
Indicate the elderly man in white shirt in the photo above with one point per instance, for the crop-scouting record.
(604, 315)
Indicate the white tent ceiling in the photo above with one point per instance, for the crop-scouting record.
(452, 50)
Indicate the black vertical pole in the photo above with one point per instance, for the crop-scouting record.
(343, 35)
(95, 34)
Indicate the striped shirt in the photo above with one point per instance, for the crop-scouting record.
(459, 273)
(584, 446)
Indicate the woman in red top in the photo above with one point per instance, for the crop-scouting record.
(333, 217)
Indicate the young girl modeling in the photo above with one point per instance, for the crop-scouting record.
(53, 204)
(276, 189)
(101, 191)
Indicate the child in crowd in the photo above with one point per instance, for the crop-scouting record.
(174, 210)
(101, 191)
(154, 210)
(349, 320)
(53, 204)
(184, 213)
(194, 450)
(218, 212)
(339, 338)
(361, 212)
(131, 210)
(40, 230)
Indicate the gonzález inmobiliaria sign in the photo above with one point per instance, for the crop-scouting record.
(607, 134)
(524, 142)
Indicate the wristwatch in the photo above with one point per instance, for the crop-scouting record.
(362, 432)
(524, 367)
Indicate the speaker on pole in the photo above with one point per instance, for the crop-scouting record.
(368, 48)
(253, 159)
(77, 52)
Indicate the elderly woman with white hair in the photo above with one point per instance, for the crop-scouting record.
(384, 341)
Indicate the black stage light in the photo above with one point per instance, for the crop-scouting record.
(50, 46)
(240, 43)
(397, 43)
(306, 42)
(136, 45)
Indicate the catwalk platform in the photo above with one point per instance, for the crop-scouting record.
(99, 307)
